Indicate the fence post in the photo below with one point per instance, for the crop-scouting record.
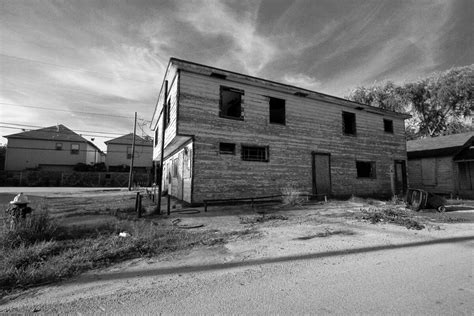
(136, 202)
(139, 213)
(168, 206)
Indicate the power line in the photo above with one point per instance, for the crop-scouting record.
(51, 132)
(79, 150)
(61, 110)
(75, 130)
(71, 68)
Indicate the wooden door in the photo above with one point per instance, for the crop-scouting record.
(321, 173)
(400, 177)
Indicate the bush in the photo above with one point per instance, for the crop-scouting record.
(291, 196)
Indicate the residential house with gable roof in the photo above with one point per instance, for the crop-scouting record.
(119, 153)
(55, 148)
(231, 135)
(443, 164)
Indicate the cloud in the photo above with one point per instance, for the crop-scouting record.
(302, 80)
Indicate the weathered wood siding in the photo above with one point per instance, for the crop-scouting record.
(311, 125)
(171, 129)
(444, 174)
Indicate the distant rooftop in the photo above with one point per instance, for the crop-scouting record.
(54, 133)
(128, 139)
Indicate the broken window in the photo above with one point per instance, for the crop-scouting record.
(74, 149)
(230, 103)
(348, 123)
(227, 149)
(277, 111)
(59, 146)
(129, 152)
(255, 153)
(175, 167)
(388, 126)
(365, 169)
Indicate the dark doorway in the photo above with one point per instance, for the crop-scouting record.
(321, 173)
(400, 177)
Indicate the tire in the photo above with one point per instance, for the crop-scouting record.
(441, 209)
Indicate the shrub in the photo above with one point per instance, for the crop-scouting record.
(291, 196)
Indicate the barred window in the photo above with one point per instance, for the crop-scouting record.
(255, 153)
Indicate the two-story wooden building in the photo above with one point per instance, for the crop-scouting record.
(229, 135)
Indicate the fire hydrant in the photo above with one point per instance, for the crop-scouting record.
(18, 209)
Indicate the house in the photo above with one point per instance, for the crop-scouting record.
(230, 135)
(119, 153)
(443, 165)
(55, 148)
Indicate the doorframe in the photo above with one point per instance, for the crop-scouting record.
(404, 174)
(313, 169)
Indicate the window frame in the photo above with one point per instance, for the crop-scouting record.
(129, 152)
(59, 146)
(75, 151)
(227, 152)
(352, 115)
(245, 147)
(390, 125)
(270, 99)
(373, 169)
(238, 91)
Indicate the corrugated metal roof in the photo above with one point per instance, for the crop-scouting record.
(128, 139)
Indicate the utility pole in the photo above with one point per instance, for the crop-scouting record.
(164, 113)
(130, 175)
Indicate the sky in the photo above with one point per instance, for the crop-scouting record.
(89, 65)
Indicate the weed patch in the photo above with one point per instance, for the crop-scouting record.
(395, 216)
(327, 233)
(261, 219)
(43, 252)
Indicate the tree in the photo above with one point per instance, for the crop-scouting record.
(440, 104)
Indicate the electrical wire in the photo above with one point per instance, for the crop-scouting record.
(61, 110)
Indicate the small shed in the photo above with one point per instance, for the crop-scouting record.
(443, 165)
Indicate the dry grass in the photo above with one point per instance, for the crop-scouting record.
(40, 251)
(397, 216)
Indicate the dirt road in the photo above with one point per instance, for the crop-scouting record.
(294, 268)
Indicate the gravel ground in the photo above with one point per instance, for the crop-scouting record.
(320, 260)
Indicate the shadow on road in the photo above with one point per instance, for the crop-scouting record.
(229, 265)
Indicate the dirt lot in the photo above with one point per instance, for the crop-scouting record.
(268, 232)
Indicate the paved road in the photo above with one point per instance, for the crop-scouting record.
(425, 278)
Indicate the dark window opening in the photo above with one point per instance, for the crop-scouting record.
(388, 126)
(156, 136)
(227, 148)
(74, 149)
(59, 146)
(255, 153)
(349, 123)
(277, 111)
(129, 152)
(167, 114)
(365, 169)
(230, 103)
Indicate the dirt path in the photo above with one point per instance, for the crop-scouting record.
(317, 261)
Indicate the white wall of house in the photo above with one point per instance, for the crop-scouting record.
(117, 155)
(32, 153)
